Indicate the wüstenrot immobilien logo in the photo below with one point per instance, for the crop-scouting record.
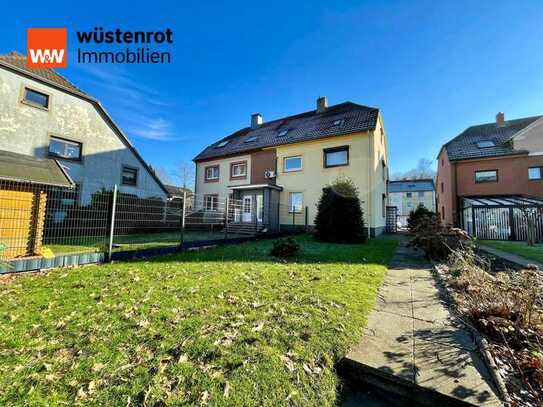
(46, 47)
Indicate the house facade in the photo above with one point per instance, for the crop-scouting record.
(279, 168)
(503, 159)
(45, 116)
(407, 195)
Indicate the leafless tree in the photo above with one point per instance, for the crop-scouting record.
(423, 170)
(185, 172)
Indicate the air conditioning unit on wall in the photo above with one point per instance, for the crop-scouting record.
(269, 174)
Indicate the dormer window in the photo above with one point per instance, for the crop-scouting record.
(223, 143)
(282, 133)
(486, 144)
(251, 139)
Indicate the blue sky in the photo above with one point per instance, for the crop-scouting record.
(433, 68)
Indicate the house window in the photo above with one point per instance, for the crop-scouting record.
(421, 194)
(295, 202)
(212, 173)
(442, 187)
(336, 157)
(292, 164)
(384, 205)
(238, 170)
(534, 173)
(442, 162)
(129, 176)
(384, 169)
(66, 149)
(486, 176)
(211, 202)
(36, 98)
(408, 194)
(443, 212)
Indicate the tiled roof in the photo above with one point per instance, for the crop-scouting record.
(411, 185)
(19, 61)
(464, 145)
(336, 120)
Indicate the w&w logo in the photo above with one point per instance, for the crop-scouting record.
(46, 47)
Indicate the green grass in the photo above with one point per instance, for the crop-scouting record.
(227, 326)
(131, 242)
(519, 248)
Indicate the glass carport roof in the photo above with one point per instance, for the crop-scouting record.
(500, 201)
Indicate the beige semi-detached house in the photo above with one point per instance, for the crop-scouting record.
(43, 116)
(281, 166)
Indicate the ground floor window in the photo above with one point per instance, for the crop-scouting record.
(295, 202)
(211, 202)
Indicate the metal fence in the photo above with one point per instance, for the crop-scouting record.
(45, 223)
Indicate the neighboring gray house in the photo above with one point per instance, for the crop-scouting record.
(45, 116)
(406, 195)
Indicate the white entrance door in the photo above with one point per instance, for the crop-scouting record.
(247, 209)
(259, 208)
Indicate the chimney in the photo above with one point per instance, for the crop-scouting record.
(322, 104)
(256, 120)
(500, 118)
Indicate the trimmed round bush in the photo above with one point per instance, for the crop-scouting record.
(339, 215)
(287, 247)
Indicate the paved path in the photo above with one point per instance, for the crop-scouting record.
(513, 258)
(411, 336)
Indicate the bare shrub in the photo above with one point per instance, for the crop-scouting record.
(508, 309)
(438, 241)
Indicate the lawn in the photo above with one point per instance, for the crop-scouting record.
(226, 326)
(135, 241)
(519, 248)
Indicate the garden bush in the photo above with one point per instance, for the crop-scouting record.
(418, 216)
(285, 247)
(339, 214)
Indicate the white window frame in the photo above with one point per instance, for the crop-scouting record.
(212, 167)
(285, 159)
(482, 181)
(213, 201)
(540, 174)
(233, 166)
(291, 208)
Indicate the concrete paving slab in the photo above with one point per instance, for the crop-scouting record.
(412, 336)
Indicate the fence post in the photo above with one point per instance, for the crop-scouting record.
(183, 218)
(306, 219)
(226, 208)
(112, 226)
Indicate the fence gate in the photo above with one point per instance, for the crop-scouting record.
(391, 219)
